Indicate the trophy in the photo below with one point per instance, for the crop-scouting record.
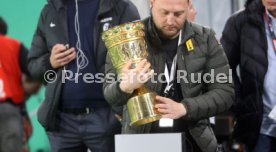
(125, 42)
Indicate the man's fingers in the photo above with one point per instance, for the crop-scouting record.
(127, 66)
(162, 99)
(64, 54)
(150, 73)
(145, 77)
(163, 111)
(161, 106)
(70, 56)
(146, 68)
(67, 59)
(141, 64)
(58, 48)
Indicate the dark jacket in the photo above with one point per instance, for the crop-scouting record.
(245, 43)
(201, 99)
(112, 12)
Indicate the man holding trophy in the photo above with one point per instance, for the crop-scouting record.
(151, 58)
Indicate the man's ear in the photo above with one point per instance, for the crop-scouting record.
(151, 3)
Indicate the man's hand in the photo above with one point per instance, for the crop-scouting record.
(29, 86)
(169, 108)
(132, 79)
(61, 55)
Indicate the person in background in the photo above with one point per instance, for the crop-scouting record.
(249, 41)
(15, 82)
(66, 52)
(176, 45)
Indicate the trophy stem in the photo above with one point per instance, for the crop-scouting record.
(140, 91)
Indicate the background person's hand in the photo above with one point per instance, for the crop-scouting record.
(29, 85)
(61, 55)
(132, 79)
(169, 108)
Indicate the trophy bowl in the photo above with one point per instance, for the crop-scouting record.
(125, 42)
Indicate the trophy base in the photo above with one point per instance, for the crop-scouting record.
(141, 109)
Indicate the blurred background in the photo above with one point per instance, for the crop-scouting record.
(22, 17)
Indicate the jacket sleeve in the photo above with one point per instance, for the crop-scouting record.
(217, 97)
(112, 92)
(23, 55)
(39, 55)
(231, 43)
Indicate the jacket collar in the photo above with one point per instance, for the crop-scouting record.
(105, 5)
(187, 32)
(255, 11)
(58, 4)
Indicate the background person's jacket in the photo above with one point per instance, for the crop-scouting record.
(13, 63)
(52, 29)
(202, 100)
(245, 43)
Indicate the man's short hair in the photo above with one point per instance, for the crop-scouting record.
(3, 26)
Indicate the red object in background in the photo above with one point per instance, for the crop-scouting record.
(274, 44)
(10, 72)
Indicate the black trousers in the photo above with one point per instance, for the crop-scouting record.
(79, 132)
